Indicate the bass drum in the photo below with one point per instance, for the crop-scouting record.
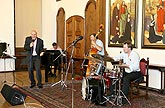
(90, 88)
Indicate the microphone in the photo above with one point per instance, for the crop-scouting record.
(33, 40)
(78, 39)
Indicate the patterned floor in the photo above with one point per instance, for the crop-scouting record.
(59, 96)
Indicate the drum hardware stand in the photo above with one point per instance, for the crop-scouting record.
(106, 98)
(89, 105)
(120, 94)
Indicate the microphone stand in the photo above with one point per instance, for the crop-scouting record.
(72, 61)
(62, 81)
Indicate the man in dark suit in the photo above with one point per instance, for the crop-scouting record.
(34, 47)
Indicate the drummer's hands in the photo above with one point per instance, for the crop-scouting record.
(124, 65)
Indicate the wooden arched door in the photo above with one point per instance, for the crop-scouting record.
(74, 29)
(61, 28)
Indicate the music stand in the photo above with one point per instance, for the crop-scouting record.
(5, 53)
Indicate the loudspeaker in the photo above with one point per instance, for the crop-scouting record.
(2, 48)
(13, 96)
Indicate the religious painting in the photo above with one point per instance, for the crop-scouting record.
(153, 35)
(122, 22)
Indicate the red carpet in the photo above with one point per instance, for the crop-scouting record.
(56, 97)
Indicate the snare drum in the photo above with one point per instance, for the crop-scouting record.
(112, 73)
(107, 80)
(90, 88)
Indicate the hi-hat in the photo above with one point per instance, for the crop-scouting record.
(97, 56)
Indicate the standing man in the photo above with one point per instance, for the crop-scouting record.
(34, 46)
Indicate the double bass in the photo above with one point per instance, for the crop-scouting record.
(92, 51)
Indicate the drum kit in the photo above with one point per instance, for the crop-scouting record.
(99, 73)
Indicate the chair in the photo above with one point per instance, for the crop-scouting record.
(140, 82)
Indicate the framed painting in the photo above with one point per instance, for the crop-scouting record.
(122, 22)
(153, 34)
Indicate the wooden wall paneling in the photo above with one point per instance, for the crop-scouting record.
(79, 31)
(69, 35)
(20, 54)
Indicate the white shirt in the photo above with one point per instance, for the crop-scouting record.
(133, 61)
(34, 48)
(100, 43)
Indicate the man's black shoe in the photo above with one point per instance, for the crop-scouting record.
(32, 86)
(40, 86)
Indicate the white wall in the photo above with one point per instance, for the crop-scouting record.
(73, 7)
(49, 12)
(7, 22)
(7, 31)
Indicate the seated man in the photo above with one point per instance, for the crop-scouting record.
(51, 56)
(131, 66)
(57, 63)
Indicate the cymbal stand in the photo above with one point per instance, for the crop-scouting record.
(105, 97)
(120, 94)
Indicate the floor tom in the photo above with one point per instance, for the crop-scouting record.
(90, 88)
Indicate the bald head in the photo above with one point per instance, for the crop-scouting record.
(34, 34)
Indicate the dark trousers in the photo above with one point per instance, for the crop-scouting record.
(125, 80)
(100, 91)
(49, 70)
(35, 61)
(57, 66)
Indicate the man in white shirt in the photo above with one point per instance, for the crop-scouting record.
(131, 66)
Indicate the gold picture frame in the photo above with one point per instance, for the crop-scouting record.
(153, 34)
(122, 22)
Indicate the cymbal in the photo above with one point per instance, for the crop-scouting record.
(104, 58)
(97, 56)
(122, 65)
(109, 59)
(92, 59)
